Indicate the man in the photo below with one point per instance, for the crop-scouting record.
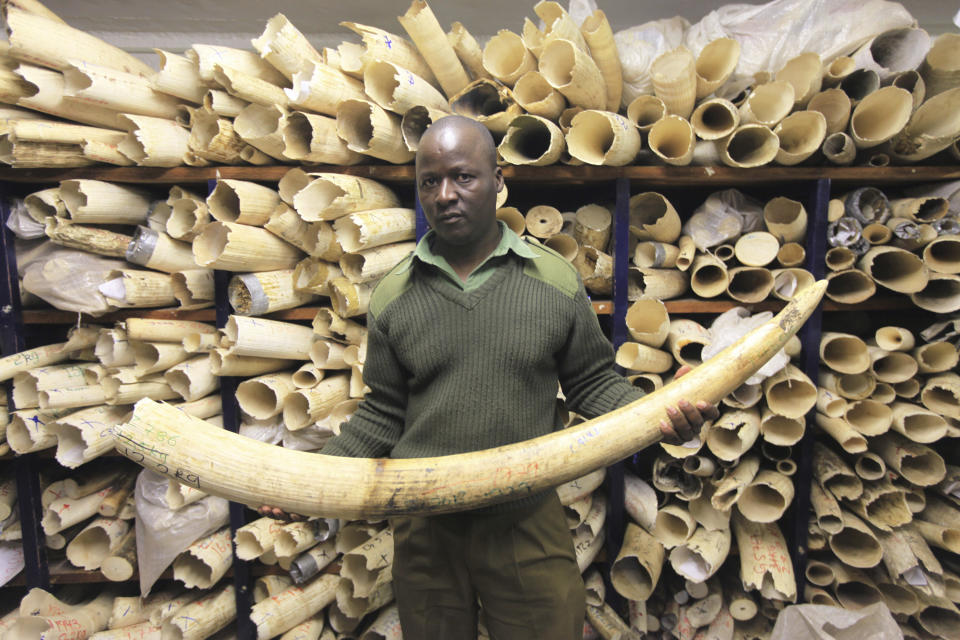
(468, 338)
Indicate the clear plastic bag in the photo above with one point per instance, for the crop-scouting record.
(723, 216)
(639, 46)
(20, 222)
(821, 622)
(162, 533)
(580, 10)
(269, 431)
(773, 33)
(308, 439)
(66, 278)
(732, 325)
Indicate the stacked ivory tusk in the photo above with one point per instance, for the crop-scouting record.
(885, 494)
(679, 565)
(905, 243)
(731, 245)
(284, 101)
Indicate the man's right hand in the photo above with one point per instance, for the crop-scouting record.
(280, 514)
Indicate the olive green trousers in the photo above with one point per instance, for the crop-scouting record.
(520, 566)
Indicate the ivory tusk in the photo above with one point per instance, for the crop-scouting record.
(118, 495)
(193, 288)
(178, 76)
(537, 97)
(314, 276)
(327, 196)
(767, 497)
(192, 379)
(467, 49)
(673, 140)
(49, 41)
(27, 384)
(42, 90)
(532, 140)
(674, 79)
(297, 537)
(599, 38)
(263, 397)
(265, 292)
(267, 338)
(312, 138)
(401, 491)
(236, 247)
(372, 264)
(207, 57)
(319, 87)
(188, 218)
(138, 288)
(805, 73)
(122, 92)
(770, 571)
(603, 138)
(85, 434)
(202, 618)
(506, 58)
(284, 46)
(285, 223)
(367, 229)
(98, 202)
(248, 87)
(83, 620)
(153, 142)
(205, 561)
(92, 545)
(242, 202)
(714, 119)
(636, 570)
(262, 128)
(701, 556)
(399, 90)
(273, 616)
(645, 111)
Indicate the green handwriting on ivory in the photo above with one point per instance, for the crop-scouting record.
(152, 452)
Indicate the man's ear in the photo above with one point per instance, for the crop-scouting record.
(498, 176)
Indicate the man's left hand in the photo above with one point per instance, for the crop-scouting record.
(687, 418)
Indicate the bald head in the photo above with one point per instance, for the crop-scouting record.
(459, 130)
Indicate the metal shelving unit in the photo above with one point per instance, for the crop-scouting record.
(814, 182)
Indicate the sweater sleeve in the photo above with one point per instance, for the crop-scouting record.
(377, 424)
(585, 366)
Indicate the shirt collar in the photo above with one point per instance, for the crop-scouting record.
(509, 241)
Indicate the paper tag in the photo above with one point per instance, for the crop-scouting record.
(11, 561)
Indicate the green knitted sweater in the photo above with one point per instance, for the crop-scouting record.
(452, 371)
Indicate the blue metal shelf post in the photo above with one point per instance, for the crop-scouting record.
(36, 572)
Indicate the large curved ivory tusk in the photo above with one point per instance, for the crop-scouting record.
(255, 473)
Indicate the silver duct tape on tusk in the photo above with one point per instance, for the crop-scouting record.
(141, 248)
(845, 232)
(259, 302)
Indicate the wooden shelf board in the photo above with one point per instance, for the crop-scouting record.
(565, 174)
(63, 572)
(601, 307)
(54, 316)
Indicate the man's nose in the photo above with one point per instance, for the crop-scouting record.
(447, 191)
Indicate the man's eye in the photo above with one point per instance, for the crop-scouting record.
(464, 177)
(428, 182)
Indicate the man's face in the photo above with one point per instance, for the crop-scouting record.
(458, 186)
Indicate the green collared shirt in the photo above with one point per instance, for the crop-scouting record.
(509, 241)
